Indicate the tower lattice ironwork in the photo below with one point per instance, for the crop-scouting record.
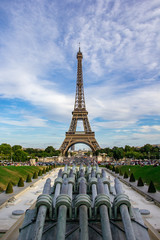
(79, 114)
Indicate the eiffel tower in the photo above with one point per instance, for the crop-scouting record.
(79, 114)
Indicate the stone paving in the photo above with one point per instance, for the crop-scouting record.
(141, 201)
(142, 190)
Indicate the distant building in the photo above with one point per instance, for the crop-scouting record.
(32, 162)
(73, 148)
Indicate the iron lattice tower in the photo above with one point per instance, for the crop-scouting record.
(79, 114)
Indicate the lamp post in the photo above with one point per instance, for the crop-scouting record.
(11, 155)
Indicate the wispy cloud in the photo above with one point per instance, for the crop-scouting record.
(120, 41)
(27, 121)
(154, 128)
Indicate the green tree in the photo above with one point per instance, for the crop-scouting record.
(21, 182)
(132, 178)
(50, 150)
(146, 149)
(110, 167)
(140, 182)
(35, 175)
(5, 151)
(28, 178)
(120, 172)
(44, 171)
(116, 170)
(16, 147)
(125, 175)
(40, 173)
(151, 188)
(118, 153)
(19, 156)
(127, 148)
(5, 148)
(113, 169)
(9, 188)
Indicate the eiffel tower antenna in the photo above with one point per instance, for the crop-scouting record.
(79, 114)
(79, 99)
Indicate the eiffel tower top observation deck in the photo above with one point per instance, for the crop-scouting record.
(79, 114)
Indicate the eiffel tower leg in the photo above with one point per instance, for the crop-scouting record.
(71, 139)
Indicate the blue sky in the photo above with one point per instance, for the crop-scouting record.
(120, 41)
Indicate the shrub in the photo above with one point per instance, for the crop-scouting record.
(116, 170)
(21, 182)
(113, 169)
(107, 166)
(47, 169)
(44, 171)
(40, 173)
(35, 175)
(110, 167)
(125, 175)
(151, 188)
(120, 172)
(28, 178)
(9, 188)
(140, 182)
(132, 178)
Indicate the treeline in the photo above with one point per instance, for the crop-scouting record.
(146, 152)
(16, 153)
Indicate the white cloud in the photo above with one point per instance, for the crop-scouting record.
(114, 124)
(27, 121)
(154, 128)
(120, 42)
(112, 103)
(119, 36)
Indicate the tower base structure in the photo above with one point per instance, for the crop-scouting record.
(79, 137)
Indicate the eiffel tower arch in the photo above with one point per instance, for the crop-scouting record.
(79, 114)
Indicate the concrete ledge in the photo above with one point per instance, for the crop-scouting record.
(153, 233)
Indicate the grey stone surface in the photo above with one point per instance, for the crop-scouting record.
(142, 190)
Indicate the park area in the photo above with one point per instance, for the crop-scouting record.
(147, 173)
(14, 173)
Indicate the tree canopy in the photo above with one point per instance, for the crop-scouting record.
(146, 152)
(18, 154)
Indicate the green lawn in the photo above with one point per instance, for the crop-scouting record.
(13, 173)
(147, 173)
